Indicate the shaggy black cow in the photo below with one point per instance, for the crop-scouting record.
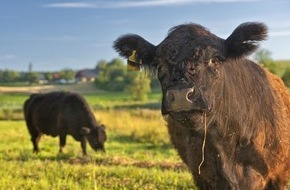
(228, 117)
(60, 114)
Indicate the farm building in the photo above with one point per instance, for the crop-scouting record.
(86, 75)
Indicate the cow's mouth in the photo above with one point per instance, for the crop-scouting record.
(185, 100)
(99, 147)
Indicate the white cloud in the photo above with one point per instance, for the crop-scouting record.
(152, 3)
(132, 4)
(70, 5)
(279, 29)
(7, 57)
(280, 33)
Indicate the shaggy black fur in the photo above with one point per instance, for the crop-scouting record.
(245, 111)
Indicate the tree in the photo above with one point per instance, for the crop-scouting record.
(111, 76)
(286, 77)
(138, 86)
(101, 65)
(48, 76)
(67, 74)
(9, 76)
(32, 77)
(263, 56)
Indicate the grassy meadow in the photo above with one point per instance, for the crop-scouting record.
(139, 155)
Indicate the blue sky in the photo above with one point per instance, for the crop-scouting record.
(76, 34)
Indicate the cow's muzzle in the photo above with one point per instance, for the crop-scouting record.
(184, 99)
(100, 148)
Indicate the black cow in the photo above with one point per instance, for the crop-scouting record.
(60, 114)
(228, 117)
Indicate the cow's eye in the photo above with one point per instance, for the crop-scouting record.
(215, 60)
(159, 68)
(162, 72)
(214, 63)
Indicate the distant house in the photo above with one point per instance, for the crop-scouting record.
(41, 79)
(86, 75)
(55, 76)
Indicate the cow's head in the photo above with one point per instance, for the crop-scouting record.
(96, 136)
(190, 62)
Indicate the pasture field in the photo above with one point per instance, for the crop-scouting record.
(139, 155)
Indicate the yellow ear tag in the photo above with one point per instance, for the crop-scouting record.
(134, 62)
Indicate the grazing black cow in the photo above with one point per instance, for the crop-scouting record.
(61, 114)
(228, 117)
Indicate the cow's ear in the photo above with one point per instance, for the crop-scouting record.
(138, 51)
(85, 130)
(245, 39)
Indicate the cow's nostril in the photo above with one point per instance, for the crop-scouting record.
(189, 94)
(180, 99)
(170, 96)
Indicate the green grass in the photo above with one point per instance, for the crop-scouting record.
(139, 154)
(12, 99)
(128, 164)
(11, 104)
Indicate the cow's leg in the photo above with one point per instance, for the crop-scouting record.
(35, 137)
(62, 142)
(83, 145)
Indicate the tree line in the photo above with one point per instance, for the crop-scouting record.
(111, 76)
(31, 77)
(114, 76)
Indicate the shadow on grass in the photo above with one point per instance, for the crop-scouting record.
(120, 151)
(97, 159)
(128, 139)
(26, 155)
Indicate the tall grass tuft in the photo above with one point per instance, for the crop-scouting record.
(142, 125)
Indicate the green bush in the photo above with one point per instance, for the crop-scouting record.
(138, 86)
(286, 77)
(113, 76)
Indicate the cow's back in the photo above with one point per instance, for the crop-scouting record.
(75, 114)
(42, 111)
(58, 112)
